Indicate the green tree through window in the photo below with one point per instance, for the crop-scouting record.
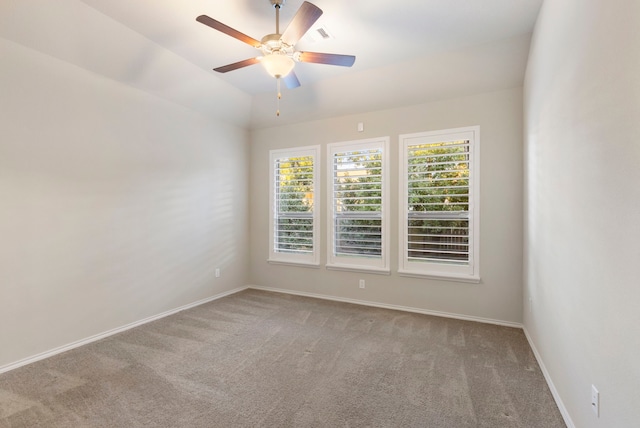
(357, 202)
(438, 202)
(294, 205)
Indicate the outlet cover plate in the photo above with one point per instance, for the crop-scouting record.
(595, 400)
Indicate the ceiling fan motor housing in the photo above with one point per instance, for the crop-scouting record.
(272, 43)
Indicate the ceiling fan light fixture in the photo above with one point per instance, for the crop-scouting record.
(277, 64)
(278, 49)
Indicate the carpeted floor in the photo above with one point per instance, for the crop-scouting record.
(260, 359)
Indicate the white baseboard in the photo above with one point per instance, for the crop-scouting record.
(108, 333)
(388, 306)
(556, 396)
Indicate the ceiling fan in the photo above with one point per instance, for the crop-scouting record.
(278, 50)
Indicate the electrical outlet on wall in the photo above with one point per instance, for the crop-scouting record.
(361, 283)
(595, 400)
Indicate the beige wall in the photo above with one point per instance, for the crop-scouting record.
(499, 296)
(582, 147)
(114, 205)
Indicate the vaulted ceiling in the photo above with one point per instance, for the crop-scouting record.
(407, 52)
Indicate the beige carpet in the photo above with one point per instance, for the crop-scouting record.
(260, 359)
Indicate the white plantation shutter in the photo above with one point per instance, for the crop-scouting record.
(358, 220)
(294, 205)
(293, 235)
(357, 199)
(438, 201)
(439, 217)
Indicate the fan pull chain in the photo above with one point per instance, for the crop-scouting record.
(279, 96)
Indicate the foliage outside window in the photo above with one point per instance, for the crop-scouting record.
(358, 220)
(439, 211)
(294, 206)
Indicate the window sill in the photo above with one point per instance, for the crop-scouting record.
(442, 276)
(294, 263)
(363, 269)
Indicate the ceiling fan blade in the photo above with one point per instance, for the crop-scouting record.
(305, 17)
(291, 80)
(217, 25)
(236, 65)
(326, 58)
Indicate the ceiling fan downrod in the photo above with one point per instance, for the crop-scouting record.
(277, 4)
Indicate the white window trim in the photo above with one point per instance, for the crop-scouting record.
(354, 263)
(312, 260)
(470, 273)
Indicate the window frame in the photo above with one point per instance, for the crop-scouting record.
(278, 257)
(359, 263)
(444, 271)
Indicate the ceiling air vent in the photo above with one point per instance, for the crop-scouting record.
(319, 34)
(323, 33)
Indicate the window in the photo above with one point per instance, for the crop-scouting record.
(293, 236)
(358, 220)
(439, 210)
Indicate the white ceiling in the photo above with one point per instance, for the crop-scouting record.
(386, 37)
(378, 32)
